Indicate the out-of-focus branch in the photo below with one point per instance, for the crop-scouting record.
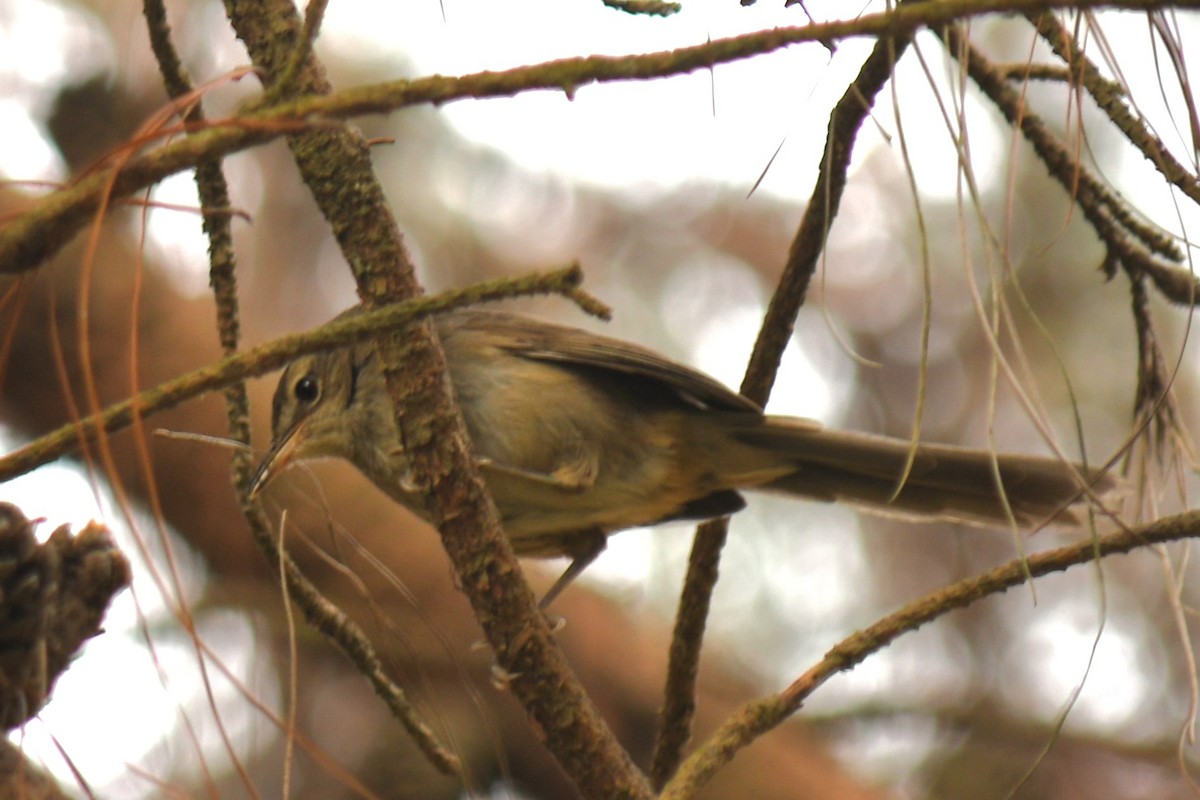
(20, 779)
(53, 597)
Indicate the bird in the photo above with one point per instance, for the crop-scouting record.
(580, 435)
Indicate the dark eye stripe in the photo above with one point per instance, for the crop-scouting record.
(355, 368)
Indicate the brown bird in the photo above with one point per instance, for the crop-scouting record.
(580, 435)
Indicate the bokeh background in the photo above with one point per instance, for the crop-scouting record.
(680, 198)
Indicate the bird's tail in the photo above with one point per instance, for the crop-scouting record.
(944, 482)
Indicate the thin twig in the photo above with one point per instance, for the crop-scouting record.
(1110, 98)
(760, 716)
(804, 255)
(213, 193)
(314, 15)
(1108, 216)
(52, 220)
(336, 166)
(273, 355)
(1028, 71)
(651, 8)
(1154, 404)
(324, 616)
(683, 659)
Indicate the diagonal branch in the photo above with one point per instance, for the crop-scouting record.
(335, 164)
(1129, 243)
(760, 716)
(1110, 100)
(271, 356)
(803, 256)
(51, 221)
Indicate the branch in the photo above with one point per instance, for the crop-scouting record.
(321, 614)
(50, 222)
(1108, 97)
(760, 716)
(53, 597)
(1108, 216)
(844, 122)
(336, 166)
(271, 356)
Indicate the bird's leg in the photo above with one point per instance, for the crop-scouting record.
(586, 546)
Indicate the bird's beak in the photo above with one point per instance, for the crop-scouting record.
(276, 460)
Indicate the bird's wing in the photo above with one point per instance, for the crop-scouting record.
(543, 341)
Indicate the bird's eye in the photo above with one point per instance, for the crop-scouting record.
(306, 389)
